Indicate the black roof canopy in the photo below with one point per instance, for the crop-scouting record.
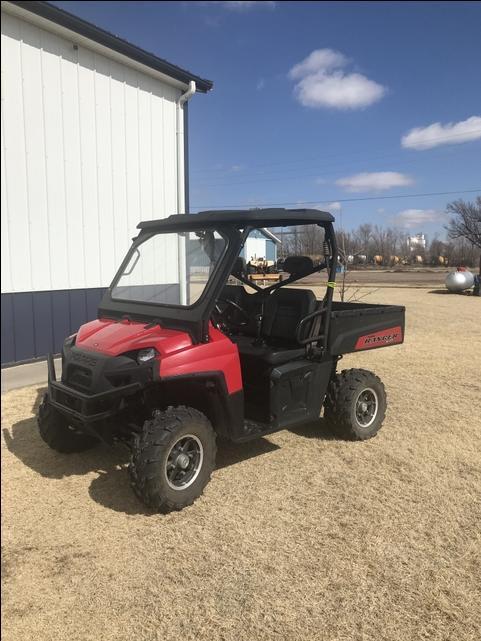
(278, 217)
(102, 37)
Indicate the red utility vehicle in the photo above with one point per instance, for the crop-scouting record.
(178, 356)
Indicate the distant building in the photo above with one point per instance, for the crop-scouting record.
(261, 243)
(416, 242)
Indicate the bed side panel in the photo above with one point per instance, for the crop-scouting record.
(363, 328)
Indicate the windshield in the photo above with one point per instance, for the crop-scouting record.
(170, 269)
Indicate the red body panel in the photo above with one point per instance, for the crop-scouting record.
(178, 355)
(390, 336)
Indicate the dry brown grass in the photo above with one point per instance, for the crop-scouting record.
(297, 537)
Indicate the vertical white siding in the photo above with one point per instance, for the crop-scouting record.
(255, 247)
(15, 166)
(88, 150)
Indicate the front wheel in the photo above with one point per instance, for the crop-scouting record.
(355, 404)
(173, 458)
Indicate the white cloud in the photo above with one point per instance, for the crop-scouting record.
(321, 81)
(337, 90)
(243, 6)
(452, 133)
(374, 181)
(330, 207)
(411, 218)
(318, 60)
(320, 181)
(261, 83)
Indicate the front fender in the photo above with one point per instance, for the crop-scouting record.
(208, 392)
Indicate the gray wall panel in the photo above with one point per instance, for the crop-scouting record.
(42, 322)
(36, 323)
(23, 326)
(78, 308)
(8, 343)
(60, 318)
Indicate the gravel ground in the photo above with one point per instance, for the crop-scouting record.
(298, 536)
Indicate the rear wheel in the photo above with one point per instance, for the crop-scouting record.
(58, 433)
(173, 458)
(355, 404)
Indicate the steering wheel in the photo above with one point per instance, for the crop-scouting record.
(224, 316)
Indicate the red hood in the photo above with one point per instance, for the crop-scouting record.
(111, 337)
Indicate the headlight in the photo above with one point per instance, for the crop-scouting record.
(146, 355)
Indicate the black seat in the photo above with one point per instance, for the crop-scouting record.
(266, 355)
(283, 311)
(298, 266)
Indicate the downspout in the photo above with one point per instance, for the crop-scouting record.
(181, 187)
(185, 97)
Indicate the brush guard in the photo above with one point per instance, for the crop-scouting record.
(86, 408)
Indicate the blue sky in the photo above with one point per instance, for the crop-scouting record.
(312, 101)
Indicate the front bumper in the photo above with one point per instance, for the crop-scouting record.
(87, 408)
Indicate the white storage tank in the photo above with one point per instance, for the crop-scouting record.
(459, 281)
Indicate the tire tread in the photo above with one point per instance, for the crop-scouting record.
(339, 399)
(147, 449)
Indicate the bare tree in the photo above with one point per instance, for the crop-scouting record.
(306, 241)
(380, 238)
(363, 236)
(346, 242)
(438, 250)
(396, 241)
(466, 222)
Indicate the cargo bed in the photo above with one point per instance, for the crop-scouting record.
(359, 326)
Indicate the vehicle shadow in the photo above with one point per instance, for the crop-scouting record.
(111, 485)
(318, 430)
(231, 453)
(23, 440)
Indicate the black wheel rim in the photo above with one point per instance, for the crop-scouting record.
(184, 462)
(366, 407)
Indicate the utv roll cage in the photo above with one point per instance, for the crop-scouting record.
(235, 226)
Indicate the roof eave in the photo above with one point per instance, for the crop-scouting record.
(105, 39)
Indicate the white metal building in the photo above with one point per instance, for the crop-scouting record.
(94, 139)
(261, 243)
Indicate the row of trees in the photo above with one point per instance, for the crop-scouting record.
(373, 241)
(461, 248)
